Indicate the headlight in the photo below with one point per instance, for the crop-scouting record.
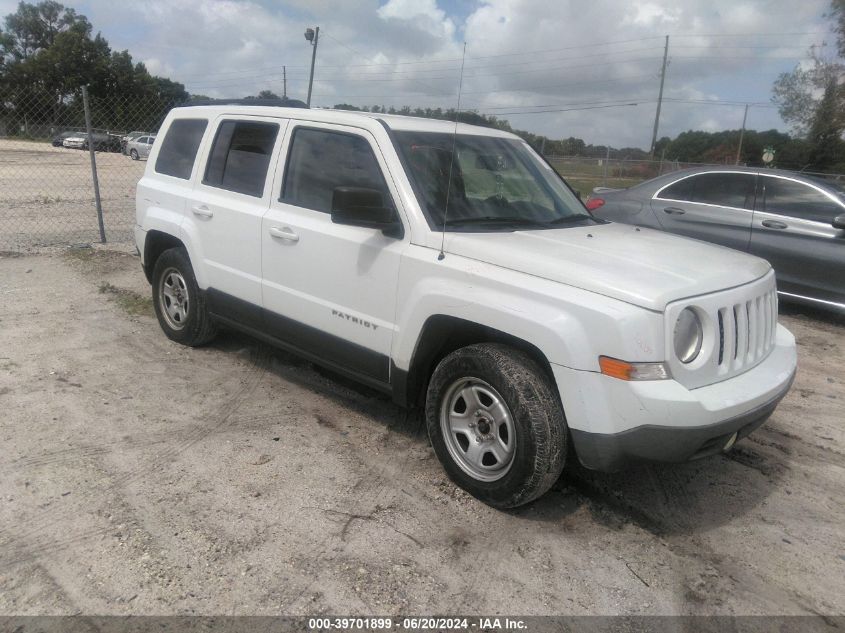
(688, 336)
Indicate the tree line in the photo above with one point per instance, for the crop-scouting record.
(49, 51)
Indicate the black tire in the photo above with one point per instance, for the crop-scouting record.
(196, 326)
(537, 418)
(134, 154)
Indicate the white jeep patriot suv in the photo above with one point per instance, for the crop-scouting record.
(454, 269)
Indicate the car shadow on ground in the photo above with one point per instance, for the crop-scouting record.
(663, 499)
(340, 390)
(809, 312)
(669, 499)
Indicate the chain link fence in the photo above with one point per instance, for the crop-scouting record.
(586, 173)
(47, 192)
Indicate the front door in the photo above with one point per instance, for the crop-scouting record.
(328, 289)
(793, 229)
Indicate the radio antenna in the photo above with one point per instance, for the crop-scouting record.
(452, 160)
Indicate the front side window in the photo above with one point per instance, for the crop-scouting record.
(320, 161)
(179, 149)
(496, 183)
(797, 200)
(240, 156)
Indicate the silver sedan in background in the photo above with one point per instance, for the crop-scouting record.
(795, 221)
(140, 147)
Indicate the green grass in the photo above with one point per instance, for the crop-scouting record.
(130, 301)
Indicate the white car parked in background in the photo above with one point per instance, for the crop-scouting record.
(77, 141)
(477, 287)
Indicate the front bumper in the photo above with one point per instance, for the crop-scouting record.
(615, 423)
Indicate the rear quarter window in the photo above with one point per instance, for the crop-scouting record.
(681, 190)
(179, 149)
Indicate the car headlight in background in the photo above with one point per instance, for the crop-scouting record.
(688, 335)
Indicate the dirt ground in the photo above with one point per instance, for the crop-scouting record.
(47, 195)
(138, 477)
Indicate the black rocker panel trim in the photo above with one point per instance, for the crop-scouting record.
(317, 346)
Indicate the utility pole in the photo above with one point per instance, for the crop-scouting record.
(285, 81)
(660, 97)
(313, 36)
(741, 134)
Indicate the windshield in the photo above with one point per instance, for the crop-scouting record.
(497, 184)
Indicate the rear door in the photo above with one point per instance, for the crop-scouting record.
(149, 145)
(792, 228)
(224, 212)
(713, 206)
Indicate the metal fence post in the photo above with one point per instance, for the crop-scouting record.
(606, 162)
(97, 200)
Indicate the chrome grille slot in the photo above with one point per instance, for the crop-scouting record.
(740, 330)
(721, 336)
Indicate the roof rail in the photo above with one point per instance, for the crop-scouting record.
(280, 102)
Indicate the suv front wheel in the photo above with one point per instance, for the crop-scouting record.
(179, 304)
(496, 424)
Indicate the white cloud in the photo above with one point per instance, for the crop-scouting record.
(519, 53)
(651, 14)
(423, 14)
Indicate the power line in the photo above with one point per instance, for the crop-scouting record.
(527, 89)
(598, 107)
(593, 45)
(380, 74)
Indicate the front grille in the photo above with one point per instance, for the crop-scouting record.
(747, 331)
(740, 328)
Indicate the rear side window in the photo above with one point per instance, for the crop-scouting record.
(320, 160)
(240, 156)
(179, 149)
(724, 190)
(797, 200)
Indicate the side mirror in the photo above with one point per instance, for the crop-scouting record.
(839, 222)
(357, 206)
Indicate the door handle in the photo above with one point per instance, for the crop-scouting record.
(774, 224)
(202, 210)
(674, 211)
(284, 233)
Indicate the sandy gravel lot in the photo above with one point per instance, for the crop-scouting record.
(47, 195)
(137, 476)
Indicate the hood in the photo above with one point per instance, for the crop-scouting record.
(643, 267)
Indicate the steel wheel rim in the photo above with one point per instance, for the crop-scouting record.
(174, 299)
(478, 429)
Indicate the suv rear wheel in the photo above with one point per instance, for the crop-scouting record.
(496, 424)
(179, 304)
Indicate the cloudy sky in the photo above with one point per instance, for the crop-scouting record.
(556, 67)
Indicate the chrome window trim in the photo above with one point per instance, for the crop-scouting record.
(656, 195)
(829, 195)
